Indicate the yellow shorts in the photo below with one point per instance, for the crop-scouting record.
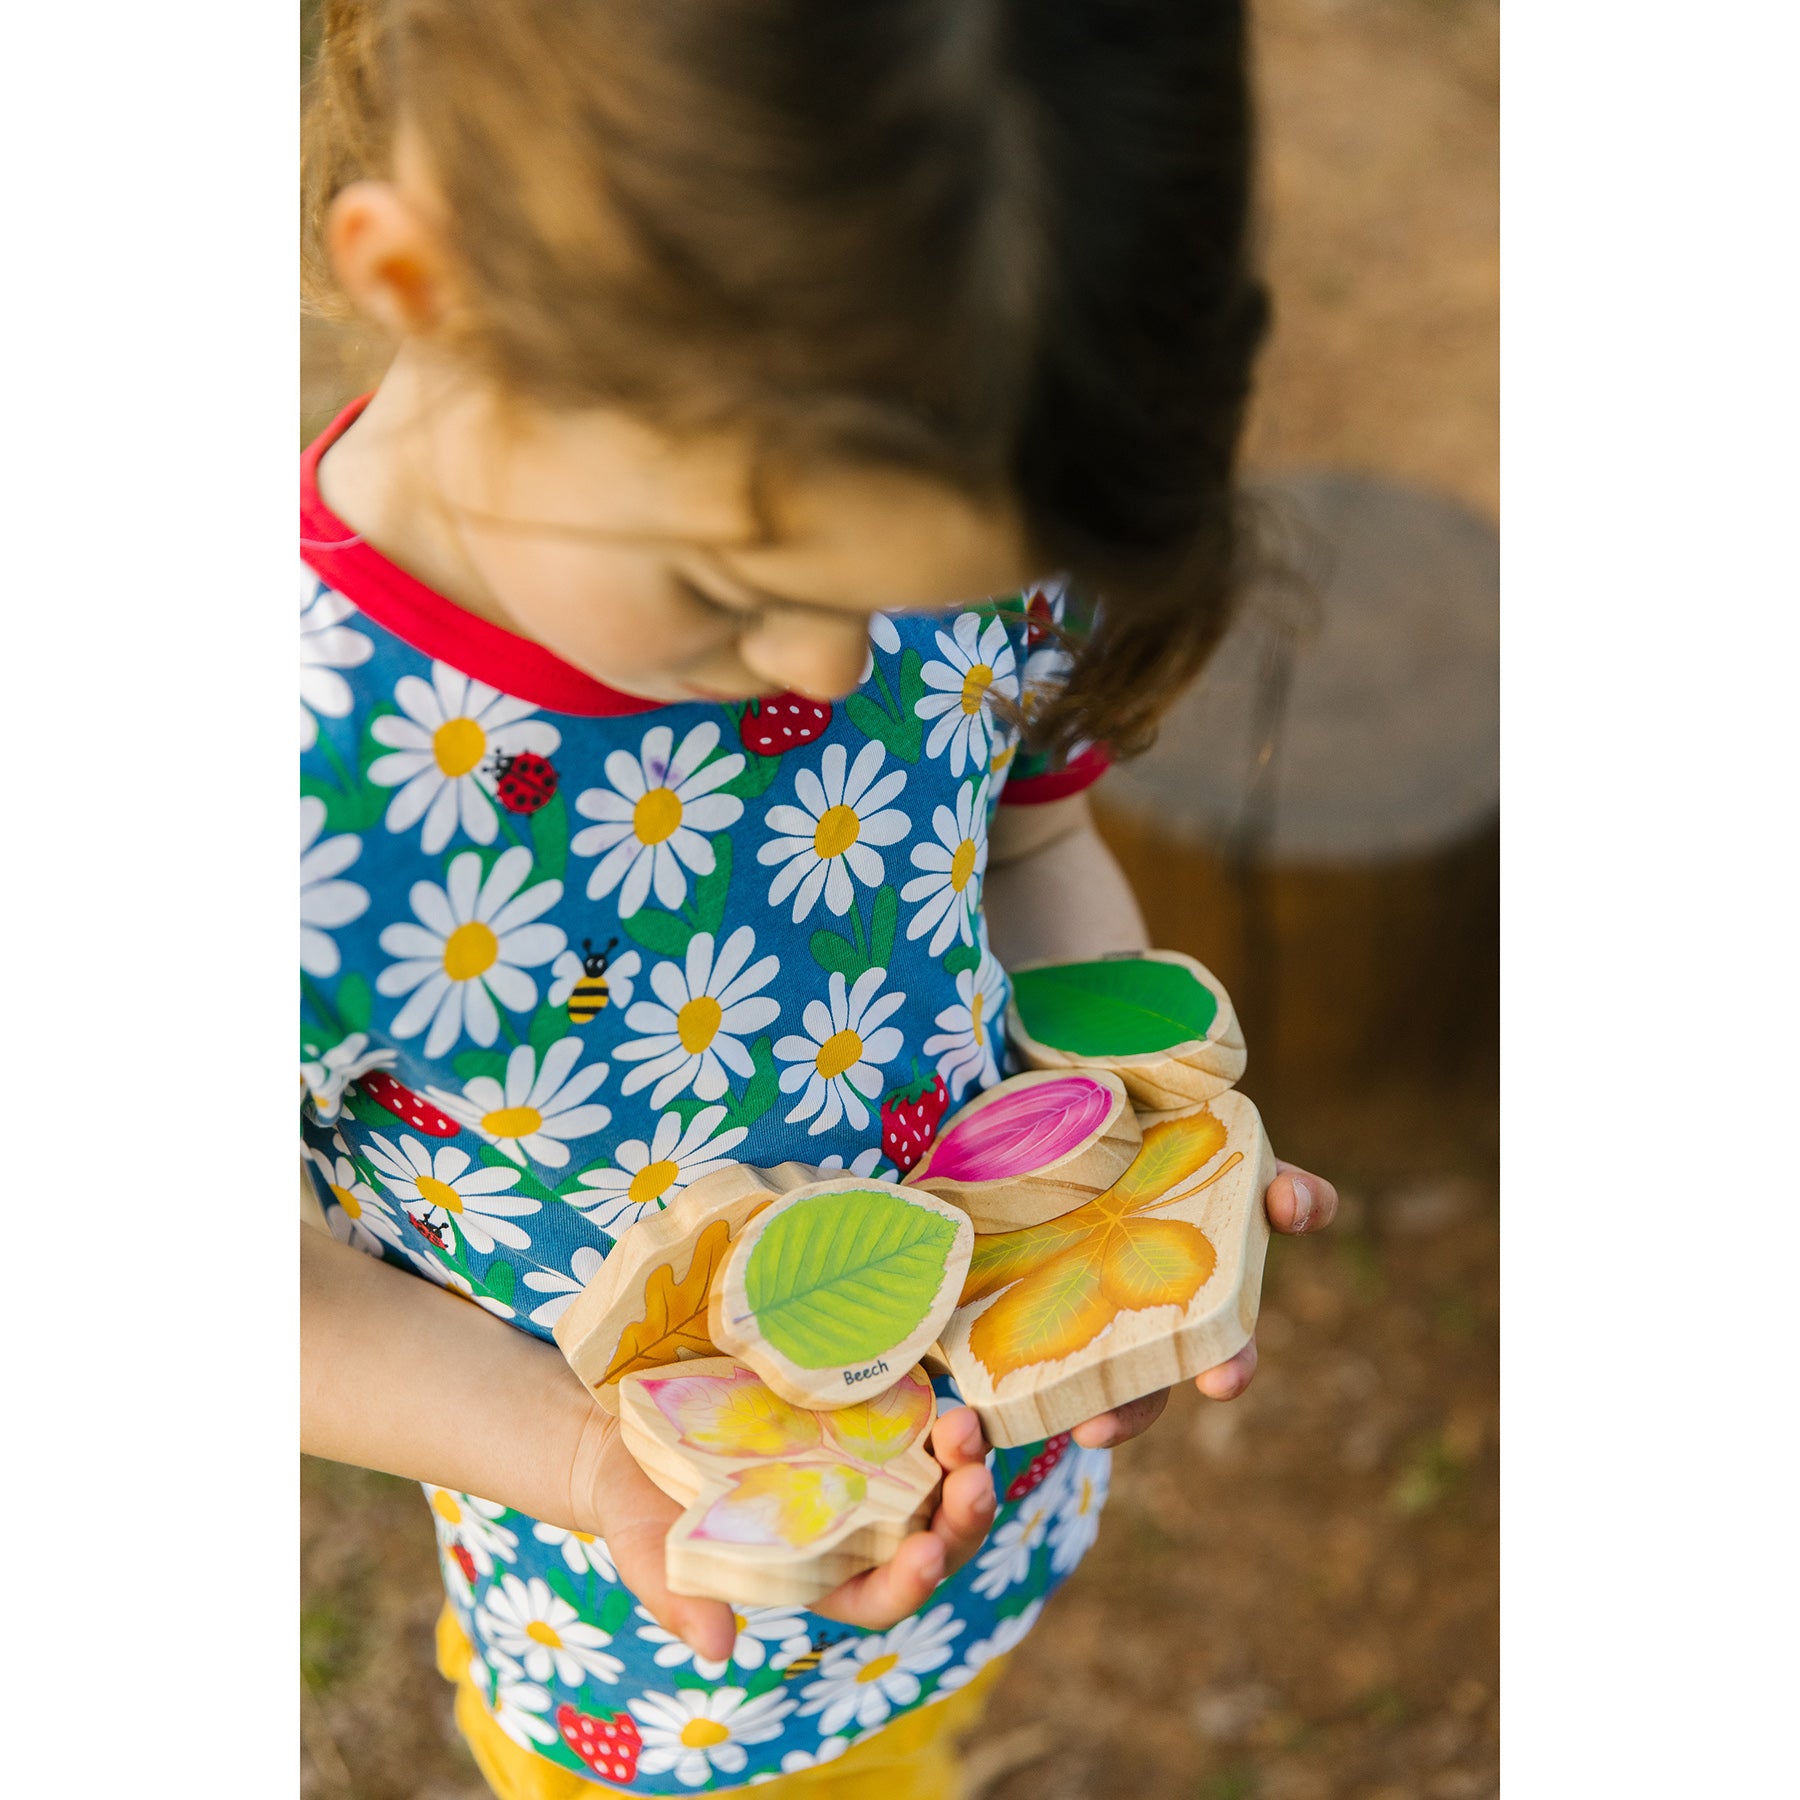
(913, 1759)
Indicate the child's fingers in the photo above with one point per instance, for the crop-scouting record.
(1122, 1423)
(635, 1516)
(957, 1438)
(899, 1587)
(1296, 1201)
(1226, 1380)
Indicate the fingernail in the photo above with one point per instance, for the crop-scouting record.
(1303, 1205)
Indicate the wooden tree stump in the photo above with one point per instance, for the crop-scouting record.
(1318, 821)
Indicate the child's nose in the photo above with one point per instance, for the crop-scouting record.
(819, 655)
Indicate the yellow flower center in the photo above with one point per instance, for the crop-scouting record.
(873, 1671)
(657, 816)
(962, 864)
(975, 686)
(975, 1017)
(738, 1622)
(446, 1508)
(652, 1181)
(697, 1023)
(702, 1734)
(584, 1537)
(837, 830)
(839, 1052)
(458, 745)
(1087, 1497)
(540, 1633)
(470, 950)
(512, 1121)
(439, 1193)
(347, 1200)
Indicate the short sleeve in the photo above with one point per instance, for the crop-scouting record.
(1053, 617)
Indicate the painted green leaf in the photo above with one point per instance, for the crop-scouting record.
(659, 931)
(842, 1278)
(550, 839)
(1120, 1007)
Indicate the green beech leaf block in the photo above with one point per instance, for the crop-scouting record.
(1127, 1006)
(842, 1278)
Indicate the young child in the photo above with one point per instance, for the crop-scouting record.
(676, 792)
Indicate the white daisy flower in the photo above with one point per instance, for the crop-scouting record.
(827, 838)
(949, 892)
(547, 1635)
(325, 902)
(581, 1550)
(976, 663)
(882, 636)
(327, 645)
(1008, 1635)
(707, 1008)
(965, 1044)
(472, 1526)
(518, 1705)
(584, 1265)
(654, 818)
(864, 1679)
(757, 1628)
(1080, 1480)
(865, 1162)
(451, 1194)
(838, 1062)
(695, 1731)
(442, 740)
(325, 1075)
(621, 974)
(473, 943)
(650, 1175)
(1006, 1560)
(829, 1750)
(539, 1110)
(357, 1215)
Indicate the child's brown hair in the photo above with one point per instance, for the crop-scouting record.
(1001, 241)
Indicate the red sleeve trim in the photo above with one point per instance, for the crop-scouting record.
(1058, 784)
(434, 626)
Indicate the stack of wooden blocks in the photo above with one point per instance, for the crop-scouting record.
(1075, 1237)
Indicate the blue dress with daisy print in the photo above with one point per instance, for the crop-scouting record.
(563, 952)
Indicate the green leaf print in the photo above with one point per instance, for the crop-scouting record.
(550, 839)
(527, 1183)
(837, 955)
(710, 890)
(755, 778)
(548, 1024)
(960, 957)
(763, 1089)
(659, 932)
(470, 1064)
(894, 722)
(912, 691)
(615, 1610)
(355, 1004)
(499, 1283)
(561, 1586)
(883, 918)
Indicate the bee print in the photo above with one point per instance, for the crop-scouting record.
(588, 999)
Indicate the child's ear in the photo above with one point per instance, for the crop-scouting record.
(386, 257)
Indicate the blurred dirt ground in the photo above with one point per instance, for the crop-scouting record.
(1295, 1596)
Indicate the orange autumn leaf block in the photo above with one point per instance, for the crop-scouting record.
(1063, 1283)
(674, 1320)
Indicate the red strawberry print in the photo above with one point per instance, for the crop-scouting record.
(464, 1561)
(405, 1105)
(525, 782)
(782, 721)
(1032, 1475)
(608, 1746)
(910, 1117)
(1039, 619)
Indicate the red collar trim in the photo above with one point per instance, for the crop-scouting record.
(423, 618)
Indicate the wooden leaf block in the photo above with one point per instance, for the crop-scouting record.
(1151, 1282)
(1157, 1019)
(1032, 1147)
(782, 1503)
(833, 1293)
(647, 1305)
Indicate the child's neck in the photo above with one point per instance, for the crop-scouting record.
(379, 478)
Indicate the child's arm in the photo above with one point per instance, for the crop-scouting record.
(1055, 893)
(489, 1410)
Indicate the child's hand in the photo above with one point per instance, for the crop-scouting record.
(1295, 1202)
(634, 1515)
